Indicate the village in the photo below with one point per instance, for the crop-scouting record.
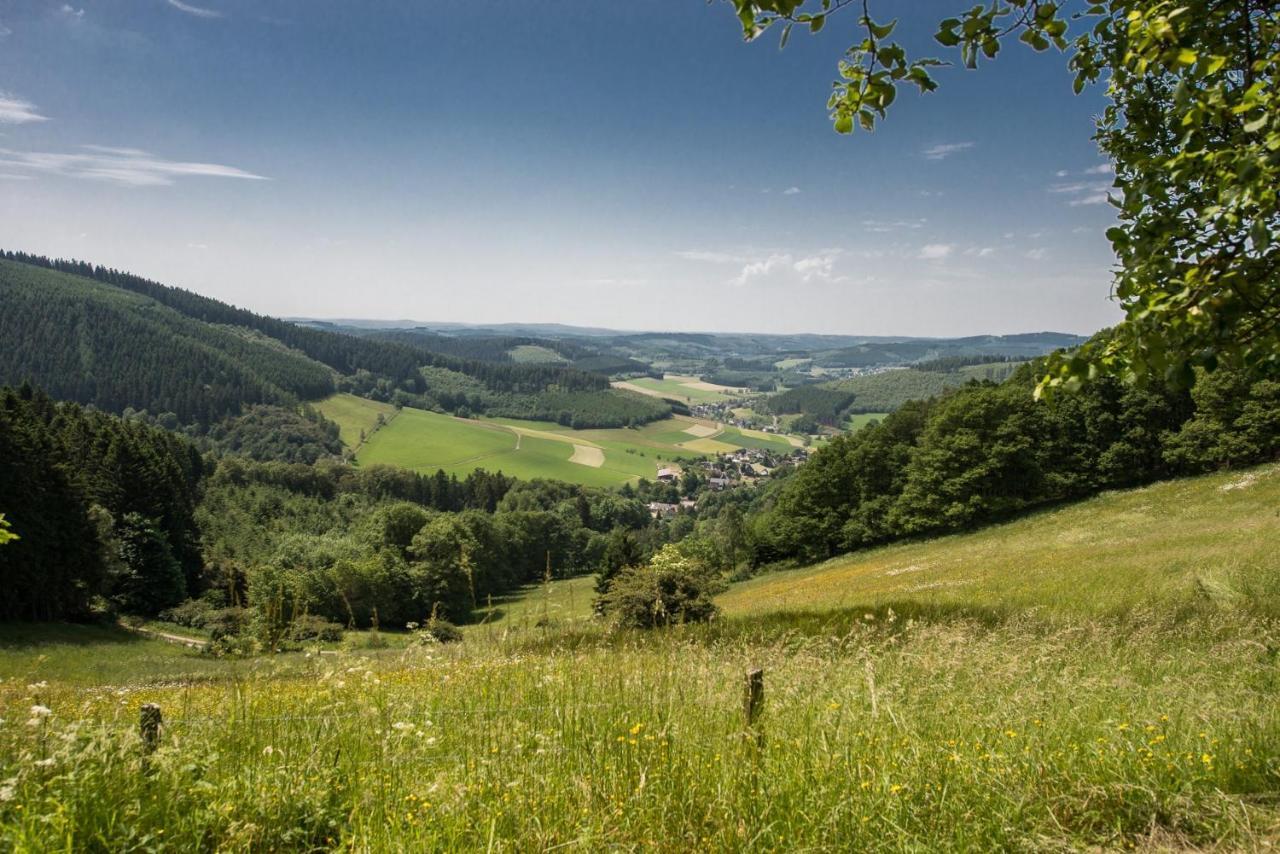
(695, 478)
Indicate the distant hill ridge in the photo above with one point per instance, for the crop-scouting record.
(101, 336)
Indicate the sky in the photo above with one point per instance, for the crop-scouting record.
(631, 164)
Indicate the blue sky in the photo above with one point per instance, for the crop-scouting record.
(625, 164)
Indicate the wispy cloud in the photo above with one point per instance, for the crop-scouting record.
(791, 191)
(8, 176)
(1037, 254)
(1083, 192)
(712, 257)
(935, 251)
(944, 150)
(72, 12)
(980, 251)
(16, 111)
(198, 11)
(883, 226)
(1100, 169)
(126, 166)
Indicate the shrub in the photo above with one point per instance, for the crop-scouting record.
(312, 627)
(436, 630)
(673, 588)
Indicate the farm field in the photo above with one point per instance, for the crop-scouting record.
(429, 441)
(687, 389)
(1097, 677)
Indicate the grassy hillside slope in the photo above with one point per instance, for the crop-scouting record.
(1166, 546)
(1102, 677)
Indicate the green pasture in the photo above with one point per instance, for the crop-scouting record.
(535, 354)
(353, 414)
(428, 441)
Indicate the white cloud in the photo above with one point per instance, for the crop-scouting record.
(944, 150)
(1062, 173)
(5, 31)
(882, 226)
(1085, 192)
(127, 166)
(818, 266)
(935, 251)
(1037, 254)
(194, 10)
(70, 12)
(16, 111)
(791, 191)
(1100, 169)
(980, 251)
(711, 257)
(7, 176)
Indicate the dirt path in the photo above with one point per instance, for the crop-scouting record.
(167, 637)
(585, 456)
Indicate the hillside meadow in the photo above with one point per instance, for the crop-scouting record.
(1101, 676)
(429, 441)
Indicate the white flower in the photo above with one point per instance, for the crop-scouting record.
(44, 763)
(36, 686)
(401, 726)
(40, 711)
(268, 750)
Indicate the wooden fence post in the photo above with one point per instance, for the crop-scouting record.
(753, 702)
(149, 721)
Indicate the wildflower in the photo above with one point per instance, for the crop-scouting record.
(268, 750)
(401, 726)
(1122, 727)
(44, 763)
(37, 686)
(40, 711)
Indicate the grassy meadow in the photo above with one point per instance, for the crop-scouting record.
(689, 390)
(1101, 677)
(428, 441)
(859, 420)
(354, 415)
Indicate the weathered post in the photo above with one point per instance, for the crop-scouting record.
(752, 704)
(149, 722)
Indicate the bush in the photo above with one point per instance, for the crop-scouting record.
(312, 627)
(673, 588)
(434, 631)
(192, 613)
(225, 622)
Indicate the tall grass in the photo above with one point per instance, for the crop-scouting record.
(893, 724)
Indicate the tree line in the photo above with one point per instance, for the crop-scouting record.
(983, 452)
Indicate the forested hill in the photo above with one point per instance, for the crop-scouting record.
(92, 343)
(91, 334)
